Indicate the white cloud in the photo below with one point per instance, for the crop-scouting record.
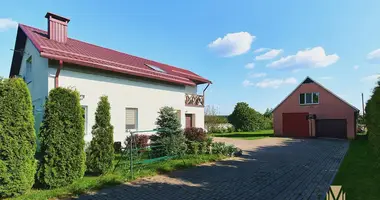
(250, 65)
(261, 50)
(257, 75)
(247, 83)
(356, 67)
(374, 56)
(7, 23)
(326, 78)
(371, 78)
(232, 44)
(308, 58)
(269, 55)
(276, 83)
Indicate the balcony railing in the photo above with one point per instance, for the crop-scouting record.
(194, 100)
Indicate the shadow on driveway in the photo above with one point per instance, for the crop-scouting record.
(286, 169)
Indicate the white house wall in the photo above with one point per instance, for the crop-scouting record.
(38, 84)
(125, 92)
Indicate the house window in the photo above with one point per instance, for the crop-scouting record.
(28, 70)
(309, 98)
(85, 117)
(131, 118)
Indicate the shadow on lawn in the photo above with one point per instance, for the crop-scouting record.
(301, 169)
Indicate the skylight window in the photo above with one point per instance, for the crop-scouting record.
(156, 68)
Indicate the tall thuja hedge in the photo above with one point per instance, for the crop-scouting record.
(372, 118)
(17, 138)
(100, 154)
(169, 135)
(62, 139)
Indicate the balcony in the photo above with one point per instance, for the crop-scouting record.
(194, 100)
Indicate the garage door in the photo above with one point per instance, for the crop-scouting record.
(295, 124)
(335, 128)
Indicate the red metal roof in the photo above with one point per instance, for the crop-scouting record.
(82, 53)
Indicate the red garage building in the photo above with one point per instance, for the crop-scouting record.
(313, 111)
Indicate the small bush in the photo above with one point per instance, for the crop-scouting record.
(117, 147)
(231, 129)
(195, 134)
(100, 154)
(62, 139)
(17, 138)
(203, 147)
(139, 141)
(174, 145)
(193, 147)
(170, 139)
(223, 149)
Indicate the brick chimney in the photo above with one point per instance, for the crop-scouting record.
(57, 27)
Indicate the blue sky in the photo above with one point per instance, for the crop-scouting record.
(333, 42)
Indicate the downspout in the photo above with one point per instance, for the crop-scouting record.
(204, 90)
(56, 78)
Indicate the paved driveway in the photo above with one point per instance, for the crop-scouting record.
(271, 168)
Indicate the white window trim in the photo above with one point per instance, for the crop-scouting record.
(28, 70)
(136, 119)
(85, 118)
(312, 97)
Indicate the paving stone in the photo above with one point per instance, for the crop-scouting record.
(271, 168)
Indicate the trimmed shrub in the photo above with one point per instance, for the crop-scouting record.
(117, 147)
(17, 138)
(223, 149)
(193, 147)
(139, 141)
(169, 138)
(372, 117)
(101, 151)
(203, 147)
(231, 129)
(195, 134)
(245, 118)
(174, 145)
(62, 140)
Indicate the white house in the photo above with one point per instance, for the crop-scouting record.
(136, 87)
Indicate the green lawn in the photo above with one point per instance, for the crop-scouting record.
(246, 135)
(93, 183)
(358, 174)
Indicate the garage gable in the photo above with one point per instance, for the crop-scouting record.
(305, 84)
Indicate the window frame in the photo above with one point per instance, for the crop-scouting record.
(28, 70)
(312, 98)
(85, 107)
(136, 119)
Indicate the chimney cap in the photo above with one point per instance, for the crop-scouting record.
(55, 16)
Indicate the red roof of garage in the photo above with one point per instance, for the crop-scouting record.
(85, 54)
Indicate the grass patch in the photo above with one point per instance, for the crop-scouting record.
(93, 183)
(358, 173)
(246, 135)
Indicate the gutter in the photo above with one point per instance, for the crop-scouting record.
(56, 78)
